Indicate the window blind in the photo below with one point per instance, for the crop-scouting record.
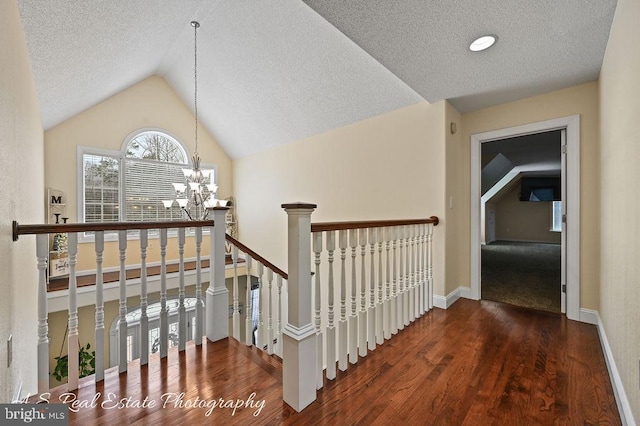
(101, 188)
(146, 184)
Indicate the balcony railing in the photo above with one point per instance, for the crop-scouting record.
(385, 281)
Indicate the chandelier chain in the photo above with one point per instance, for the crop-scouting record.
(195, 25)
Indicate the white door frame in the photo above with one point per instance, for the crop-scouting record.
(572, 203)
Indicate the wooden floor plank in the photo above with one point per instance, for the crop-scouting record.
(477, 363)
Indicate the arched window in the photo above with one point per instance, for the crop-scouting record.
(155, 146)
(153, 160)
(130, 185)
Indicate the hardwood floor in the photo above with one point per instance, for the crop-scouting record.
(478, 363)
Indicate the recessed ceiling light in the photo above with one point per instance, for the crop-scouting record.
(482, 43)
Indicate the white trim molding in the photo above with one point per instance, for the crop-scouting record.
(589, 316)
(572, 126)
(445, 302)
(626, 415)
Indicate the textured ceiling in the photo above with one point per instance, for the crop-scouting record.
(275, 72)
(543, 45)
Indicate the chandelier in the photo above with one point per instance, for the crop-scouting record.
(198, 193)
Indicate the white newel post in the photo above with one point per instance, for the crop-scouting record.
(299, 335)
(217, 311)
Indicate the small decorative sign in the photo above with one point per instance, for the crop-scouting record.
(58, 267)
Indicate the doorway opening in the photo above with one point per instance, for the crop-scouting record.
(569, 130)
(521, 203)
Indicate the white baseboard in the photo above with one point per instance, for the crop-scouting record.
(439, 301)
(588, 316)
(466, 293)
(445, 302)
(626, 415)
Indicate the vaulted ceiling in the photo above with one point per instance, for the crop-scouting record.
(275, 72)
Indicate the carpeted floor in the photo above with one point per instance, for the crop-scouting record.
(522, 274)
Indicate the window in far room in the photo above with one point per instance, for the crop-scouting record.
(556, 216)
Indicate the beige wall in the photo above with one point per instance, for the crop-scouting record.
(620, 208)
(148, 104)
(457, 272)
(523, 220)
(583, 100)
(21, 161)
(386, 167)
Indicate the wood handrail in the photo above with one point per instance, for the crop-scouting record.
(102, 226)
(257, 257)
(338, 226)
(122, 226)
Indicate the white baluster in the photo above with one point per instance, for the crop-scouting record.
(164, 315)
(430, 263)
(342, 324)
(248, 327)
(42, 255)
(279, 322)
(362, 315)
(73, 365)
(394, 281)
(270, 308)
(387, 285)
(144, 318)
(416, 268)
(199, 301)
(182, 313)
(331, 330)
(122, 311)
(236, 297)
(317, 250)
(412, 277)
(353, 317)
(260, 333)
(379, 297)
(407, 283)
(99, 314)
(401, 283)
(371, 312)
(421, 268)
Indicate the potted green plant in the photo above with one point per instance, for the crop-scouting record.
(86, 360)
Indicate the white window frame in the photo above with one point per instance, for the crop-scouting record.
(81, 152)
(121, 157)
